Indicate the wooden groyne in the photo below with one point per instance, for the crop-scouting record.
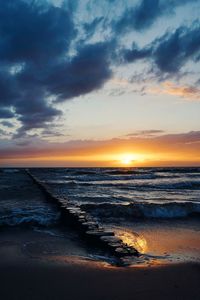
(88, 226)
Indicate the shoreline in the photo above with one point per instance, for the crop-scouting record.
(61, 276)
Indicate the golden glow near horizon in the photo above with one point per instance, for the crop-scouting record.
(129, 159)
(106, 157)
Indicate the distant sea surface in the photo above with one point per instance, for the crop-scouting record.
(110, 194)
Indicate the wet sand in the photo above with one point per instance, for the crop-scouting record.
(25, 276)
(164, 240)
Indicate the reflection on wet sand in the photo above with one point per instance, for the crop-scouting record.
(132, 239)
(162, 243)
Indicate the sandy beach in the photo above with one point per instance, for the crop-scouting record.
(25, 276)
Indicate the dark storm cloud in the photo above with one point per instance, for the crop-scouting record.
(135, 53)
(174, 50)
(8, 88)
(33, 32)
(31, 36)
(6, 113)
(37, 114)
(36, 65)
(84, 73)
(143, 15)
(139, 17)
(170, 52)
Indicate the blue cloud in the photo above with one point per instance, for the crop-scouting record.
(145, 14)
(35, 39)
(171, 51)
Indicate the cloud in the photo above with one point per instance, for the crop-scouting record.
(145, 14)
(170, 52)
(51, 132)
(2, 132)
(158, 137)
(7, 124)
(33, 35)
(92, 26)
(38, 67)
(34, 31)
(181, 138)
(136, 54)
(145, 133)
(183, 147)
(184, 91)
(85, 72)
(6, 113)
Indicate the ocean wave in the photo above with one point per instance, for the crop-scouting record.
(157, 178)
(139, 184)
(189, 184)
(58, 182)
(120, 171)
(176, 169)
(158, 170)
(111, 180)
(83, 171)
(168, 210)
(21, 217)
(10, 170)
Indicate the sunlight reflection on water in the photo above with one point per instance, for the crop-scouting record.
(132, 239)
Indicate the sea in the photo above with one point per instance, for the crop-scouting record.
(127, 200)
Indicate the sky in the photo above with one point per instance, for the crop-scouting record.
(87, 83)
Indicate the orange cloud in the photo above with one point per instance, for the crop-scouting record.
(169, 88)
(158, 150)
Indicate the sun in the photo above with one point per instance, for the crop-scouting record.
(127, 159)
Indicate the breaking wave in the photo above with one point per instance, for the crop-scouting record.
(144, 210)
(29, 217)
(187, 185)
